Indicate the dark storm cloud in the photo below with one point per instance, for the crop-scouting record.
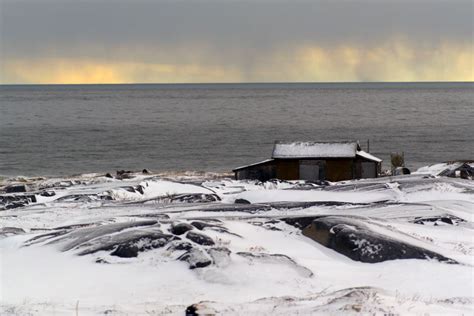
(91, 29)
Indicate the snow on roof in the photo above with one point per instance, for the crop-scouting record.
(253, 164)
(314, 150)
(368, 156)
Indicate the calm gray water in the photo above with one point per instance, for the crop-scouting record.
(58, 130)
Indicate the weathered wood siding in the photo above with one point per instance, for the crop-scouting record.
(262, 172)
(335, 169)
(339, 169)
(287, 169)
(362, 164)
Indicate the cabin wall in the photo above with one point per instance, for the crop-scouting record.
(330, 169)
(339, 169)
(366, 169)
(259, 172)
(335, 169)
(287, 169)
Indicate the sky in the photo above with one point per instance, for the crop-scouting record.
(136, 41)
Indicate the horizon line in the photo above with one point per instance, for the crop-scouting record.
(224, 83)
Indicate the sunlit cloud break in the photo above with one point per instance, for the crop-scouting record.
(393, 60)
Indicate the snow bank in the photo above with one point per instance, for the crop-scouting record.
(271, 267)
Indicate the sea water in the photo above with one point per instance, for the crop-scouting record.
(68, 129)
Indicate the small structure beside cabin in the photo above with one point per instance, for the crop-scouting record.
(313, 161)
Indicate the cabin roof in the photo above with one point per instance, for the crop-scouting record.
(253, 164)
(368, 156)
(314, 150)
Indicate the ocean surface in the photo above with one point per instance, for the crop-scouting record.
(69, 129)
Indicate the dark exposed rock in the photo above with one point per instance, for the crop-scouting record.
(78, 198)
(108, 175)
(46, 236)
(401, 171)
(48, 193)
(194, 198)
(212, 225)
(184, 198)
(200, 309)
(180, 228)
(271, 227)
(129, 189)
(124, 174)
(139, 188)
(74, 226)
(242, 201)
(15, 201)
(145, 171)
(300, 221)
(201, 225)
(248, 208)
(180, 245)
(191, 310)
(9, 231)
(143, 239)
(465, 171)
(15, 188)
(437, 220)
(354, 239)
(319, 182)
(310, 204)
(83, 235)
(200, 239)
(125, 251)
(158, 216)
(196, 258)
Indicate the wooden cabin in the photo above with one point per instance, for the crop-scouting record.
(313, 161)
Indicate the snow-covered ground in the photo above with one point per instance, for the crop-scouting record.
(156, 244)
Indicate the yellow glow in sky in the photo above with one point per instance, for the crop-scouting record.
(394, 60)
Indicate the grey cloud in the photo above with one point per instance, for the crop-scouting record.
(239, 28)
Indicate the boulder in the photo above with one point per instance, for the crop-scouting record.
(242, 201)
(125, 251)
(124, 174)
(143, 239)
(9, 231)
(200, 239)
(16, 200)
(438, 220)
(180, 245)
(15, 188)
(180, 228)
(201, 225)
(196, 258)
(48, 193)
(354, 239)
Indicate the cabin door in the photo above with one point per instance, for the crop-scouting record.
(309, 170)
(368, 170)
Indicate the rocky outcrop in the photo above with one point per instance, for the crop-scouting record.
(354, 239)
(180, 228)
(200, 239)
(15, 188)
(11, 201)
(196, 258)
